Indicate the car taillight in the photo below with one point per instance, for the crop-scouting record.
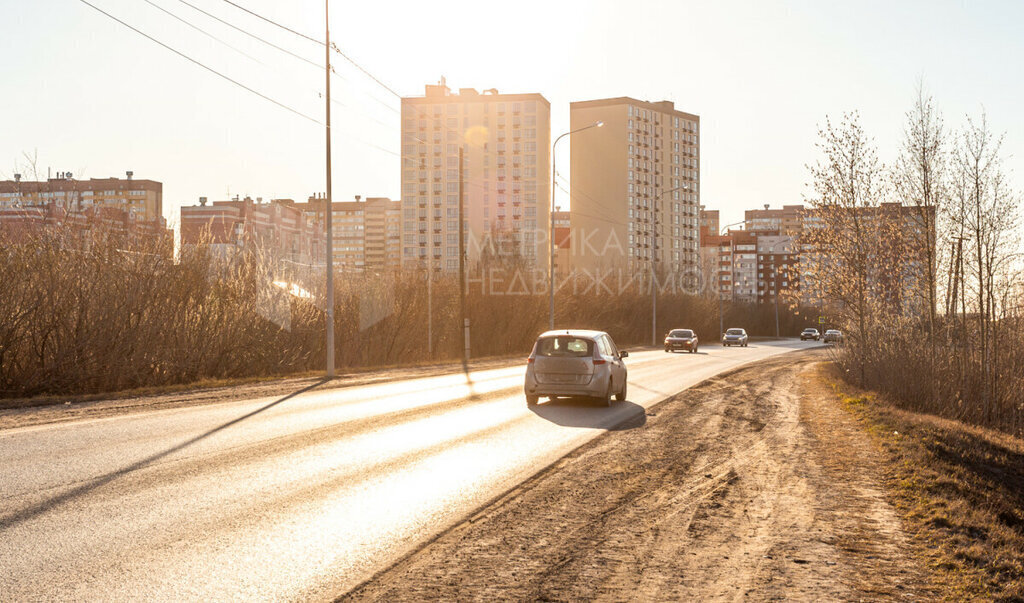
(599, 361)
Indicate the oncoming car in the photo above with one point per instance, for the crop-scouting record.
(573, 363)
(681, 339)
(809, 333)
(735, 337)
(833, 336)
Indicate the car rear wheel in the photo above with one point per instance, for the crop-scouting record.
(621, 396)
(532, 400)
(606, 399)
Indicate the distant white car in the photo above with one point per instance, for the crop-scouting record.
(574, 363)
(735, 337)
(833, 336)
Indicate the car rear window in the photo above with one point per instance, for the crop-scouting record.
(565, 346)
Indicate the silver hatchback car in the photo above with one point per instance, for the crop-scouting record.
(574, 363)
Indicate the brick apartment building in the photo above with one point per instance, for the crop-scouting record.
(129, 210)
(142, 198)
(764, 259)
(563, 242)
(788, 220)
(80, 228)
(277, 227)
(730, 263)
(506, 140)
(367, 233)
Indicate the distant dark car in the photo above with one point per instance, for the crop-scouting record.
(734, 337)
(810, 334)
(833, 336)
(681, 339)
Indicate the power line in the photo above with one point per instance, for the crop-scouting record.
(272, 22)
(199, 29)
(251, 35)
(268, 43)
(210, 69)
(334, 46)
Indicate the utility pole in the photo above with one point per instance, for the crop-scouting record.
(430, 305)
(462, 265)
(328, 205)
(654, 257)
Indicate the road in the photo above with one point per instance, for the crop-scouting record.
(297, 497)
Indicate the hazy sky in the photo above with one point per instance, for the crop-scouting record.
(95, 98)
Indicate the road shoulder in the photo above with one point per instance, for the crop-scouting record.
(728, 489)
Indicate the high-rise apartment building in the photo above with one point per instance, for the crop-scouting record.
(635, 186)
(366, 232)
(505, 140)
(142, 199)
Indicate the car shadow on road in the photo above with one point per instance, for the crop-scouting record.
(583, 413)
(49, 504)
(697, 353)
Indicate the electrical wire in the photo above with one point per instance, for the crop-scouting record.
(200, 64)
(251, 35)
(334, 46)
(200, 30)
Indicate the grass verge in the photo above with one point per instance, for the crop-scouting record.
(959, 490)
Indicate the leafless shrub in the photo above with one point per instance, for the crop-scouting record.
(963, 248)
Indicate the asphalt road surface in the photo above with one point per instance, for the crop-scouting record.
(296, 497)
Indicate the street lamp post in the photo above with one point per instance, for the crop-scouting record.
(551, 238)
(775, 278)
(654, 273)
(429, 261)
(721, 318)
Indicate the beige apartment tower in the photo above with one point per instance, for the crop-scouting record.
(505, 140)
(635, 187)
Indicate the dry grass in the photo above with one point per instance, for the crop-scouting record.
(959, 490)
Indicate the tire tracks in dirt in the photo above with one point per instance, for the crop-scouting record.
(720, 495)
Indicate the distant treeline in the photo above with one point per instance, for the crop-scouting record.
(97, 318)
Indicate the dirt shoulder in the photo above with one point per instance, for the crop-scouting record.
(52, 409)
(735, 488)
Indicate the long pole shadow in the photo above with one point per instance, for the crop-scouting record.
(47, 505)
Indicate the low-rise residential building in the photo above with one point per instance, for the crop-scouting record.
(277, 227)
(142, 198)
(79, 228)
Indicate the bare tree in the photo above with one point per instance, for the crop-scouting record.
(987, 214)
(920, 182)
(844, 234)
